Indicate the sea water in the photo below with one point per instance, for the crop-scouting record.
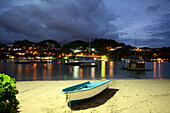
(56, 70)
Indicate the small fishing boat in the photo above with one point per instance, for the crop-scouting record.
(83, 91)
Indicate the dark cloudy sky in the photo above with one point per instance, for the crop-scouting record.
(147, 21)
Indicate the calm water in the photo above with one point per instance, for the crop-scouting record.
(105, 70)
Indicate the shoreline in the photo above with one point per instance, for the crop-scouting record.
(123, 96)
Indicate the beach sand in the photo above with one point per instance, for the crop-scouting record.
(123, 96)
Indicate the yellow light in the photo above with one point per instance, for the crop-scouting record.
(103, 69)
(158, 59)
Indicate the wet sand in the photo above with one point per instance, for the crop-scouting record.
(123, 96)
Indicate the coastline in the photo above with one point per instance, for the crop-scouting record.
(123, 96)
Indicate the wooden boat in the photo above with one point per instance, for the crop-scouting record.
(83, 91)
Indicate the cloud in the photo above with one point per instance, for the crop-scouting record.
(159, 32)
(153, 8)
(61, 20)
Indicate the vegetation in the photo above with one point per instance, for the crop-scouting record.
(45, 48)
(8, 91)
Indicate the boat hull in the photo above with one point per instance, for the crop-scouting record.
(75, 97)
(88, 65)
(73, 63)
(137, 69)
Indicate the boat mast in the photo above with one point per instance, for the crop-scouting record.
(89, 47)
(135, 47)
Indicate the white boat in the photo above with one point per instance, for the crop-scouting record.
(83, 91)
(72, 62)
(89, 61)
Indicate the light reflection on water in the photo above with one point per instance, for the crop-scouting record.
(154, 70)
(111, 69)
(35, 71)
(104, 70)
(76, 72)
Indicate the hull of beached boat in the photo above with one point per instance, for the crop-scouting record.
(78, 96)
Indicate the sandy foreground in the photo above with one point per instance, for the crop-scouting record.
(123, 96)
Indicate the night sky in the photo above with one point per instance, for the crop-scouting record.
(147, 21)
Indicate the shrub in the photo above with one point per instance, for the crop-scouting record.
(8, 91)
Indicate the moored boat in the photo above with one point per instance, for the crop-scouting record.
(136, 66)
(39, 61)
(22, 61)
(88, 65)
(72, 62)
(83, 91)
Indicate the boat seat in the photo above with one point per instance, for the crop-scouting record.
(91, 85)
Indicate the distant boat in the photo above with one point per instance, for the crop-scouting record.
(39, 61)
(83, 91)
(89, 61)
(136, 66)
(87, 64)
(73, 62)
(22, 61)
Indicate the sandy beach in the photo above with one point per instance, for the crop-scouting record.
(123, 96)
